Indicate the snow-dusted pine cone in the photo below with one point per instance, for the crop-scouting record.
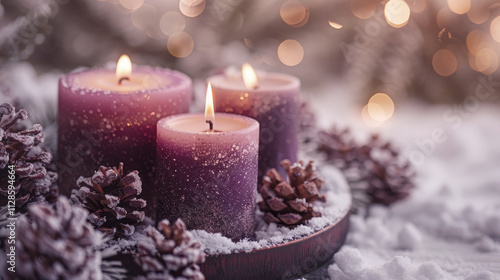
(56, 244)
(288, 203)
(339, 147)
(111, 199)
(21, 149)
(388, 174)
(169, 253)
(376, 171)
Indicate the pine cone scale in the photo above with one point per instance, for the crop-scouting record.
(290, 218)
(276, 204)
(298, 205)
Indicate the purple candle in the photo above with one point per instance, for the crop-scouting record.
(273, 100)
(208, 177)
(106, 118)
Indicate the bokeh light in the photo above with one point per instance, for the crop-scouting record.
(367, 119)
(476, 39)
(459, 6)
(131, 4)
(380, 107)
(495, 29)
(444, 17)
(444, 62)
(191, 8)
(294, 13)
(290, 52)
(418, 6)
(478, 14)
(486, 61)
(397, 13)
(335, 25)
(364, 9)
(472, 62)
(180, 44)
(146, 18)
(248, 42)
(172, 22)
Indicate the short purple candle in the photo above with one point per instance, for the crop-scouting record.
(102, 122)
(274, 101)
(208, 178)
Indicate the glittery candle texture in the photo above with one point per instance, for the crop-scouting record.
(103, 123)
(275, 104)
(209, 179)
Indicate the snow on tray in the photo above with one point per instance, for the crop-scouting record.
(338, 202)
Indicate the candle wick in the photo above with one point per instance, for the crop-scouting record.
(122, 79)
(210, 125)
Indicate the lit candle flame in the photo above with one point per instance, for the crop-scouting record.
(209, 107)
(123, 68)
(249, 76)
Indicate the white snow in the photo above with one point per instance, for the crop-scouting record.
(351, 264)
(409, 237)
(450, 226)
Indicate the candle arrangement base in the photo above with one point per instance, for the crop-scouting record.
(293, 258)
(287, 261)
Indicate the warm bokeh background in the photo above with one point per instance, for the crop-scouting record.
(435, 51)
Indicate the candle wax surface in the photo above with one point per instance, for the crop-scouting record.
(136, 82)
(266, 82)
(196, 123)
(141, 78)
(208, 179)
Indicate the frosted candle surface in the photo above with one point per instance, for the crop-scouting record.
(103, 123)
(209, 179)
(275, 104)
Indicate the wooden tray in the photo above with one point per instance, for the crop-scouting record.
(286, 261)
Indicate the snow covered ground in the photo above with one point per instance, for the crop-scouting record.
(450, 226)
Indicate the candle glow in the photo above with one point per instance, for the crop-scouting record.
(249, 76)
(209, 107)
(123, 68)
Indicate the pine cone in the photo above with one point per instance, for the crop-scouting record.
(390, 176)
(288, 203)
(57, 244)
(111, 199)
(170, 253)
(33, 183)
(376, 172)
(340, 148)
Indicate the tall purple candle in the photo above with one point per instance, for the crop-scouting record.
(208, 178)
(104, 122)
(273, 100)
